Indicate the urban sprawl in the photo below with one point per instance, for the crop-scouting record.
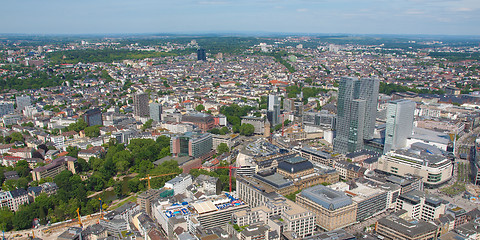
(239, 138)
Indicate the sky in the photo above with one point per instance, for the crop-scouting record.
(438, 17)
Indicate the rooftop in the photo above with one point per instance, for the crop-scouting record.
(327, 197)
(295, 164)
(408, 227)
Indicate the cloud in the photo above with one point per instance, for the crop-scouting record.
(302, 10)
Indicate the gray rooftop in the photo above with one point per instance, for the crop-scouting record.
(326, 197)
(410, 228)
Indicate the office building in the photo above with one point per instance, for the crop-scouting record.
(371, 200)
(6, 108)
(434, 169)
(334, 209)
(317, 156)
(270, 207)
(93, 117)
(399, 226)
(273, 110)
(399, 124)
(140, 105)
(22, 102)
(180, 183)
(356, 113)
(421, 206)
(369, 92)
(146, 198)
(191, 144)
(156, 111)
(203, 121)
(201, 55)
(257, 122)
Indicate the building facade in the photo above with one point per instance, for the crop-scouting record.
(93, 117)
(399, 124)
(433, 169)
(333, 209)
(156, 111)
(140, 105)
(356, 113)
(192, 144)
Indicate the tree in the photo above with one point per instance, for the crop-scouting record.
(72, 151)
(222, 148)
(77, 126)
(16, 137)
(93, 131)
(163, 141)
(200, 108)
(147, 125)
(22, 168)
(6, 219)
(247, 129)
(117, 188)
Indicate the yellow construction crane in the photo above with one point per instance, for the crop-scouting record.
(79, 218)
(150, 177)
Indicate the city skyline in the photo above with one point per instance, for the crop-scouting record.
(443, 17)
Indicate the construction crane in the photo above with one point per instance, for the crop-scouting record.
(150, 177)
(222, 167)
(101, 208)
(79, 218)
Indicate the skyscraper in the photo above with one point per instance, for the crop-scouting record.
(273, 109)
(399, 124)
(140, 105)
(356, 113)
(369, 92)
(201, 56)
(156, 111)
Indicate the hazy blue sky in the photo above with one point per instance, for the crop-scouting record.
(184, 16)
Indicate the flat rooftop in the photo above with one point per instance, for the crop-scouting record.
(358, 194)
(327, 197)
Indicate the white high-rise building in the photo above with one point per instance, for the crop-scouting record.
(399, 124)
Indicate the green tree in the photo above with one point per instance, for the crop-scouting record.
(247, 129)
(147, 125)
(22, 168)
(222, 148)
(16, 137)
(93, 131)
(72, 151)
(6, 219)
(200, 108)
(77, 126)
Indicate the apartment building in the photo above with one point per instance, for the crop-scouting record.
(13, 199)
(54, 168)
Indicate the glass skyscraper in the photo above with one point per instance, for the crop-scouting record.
(356, 113)
(399, 124)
